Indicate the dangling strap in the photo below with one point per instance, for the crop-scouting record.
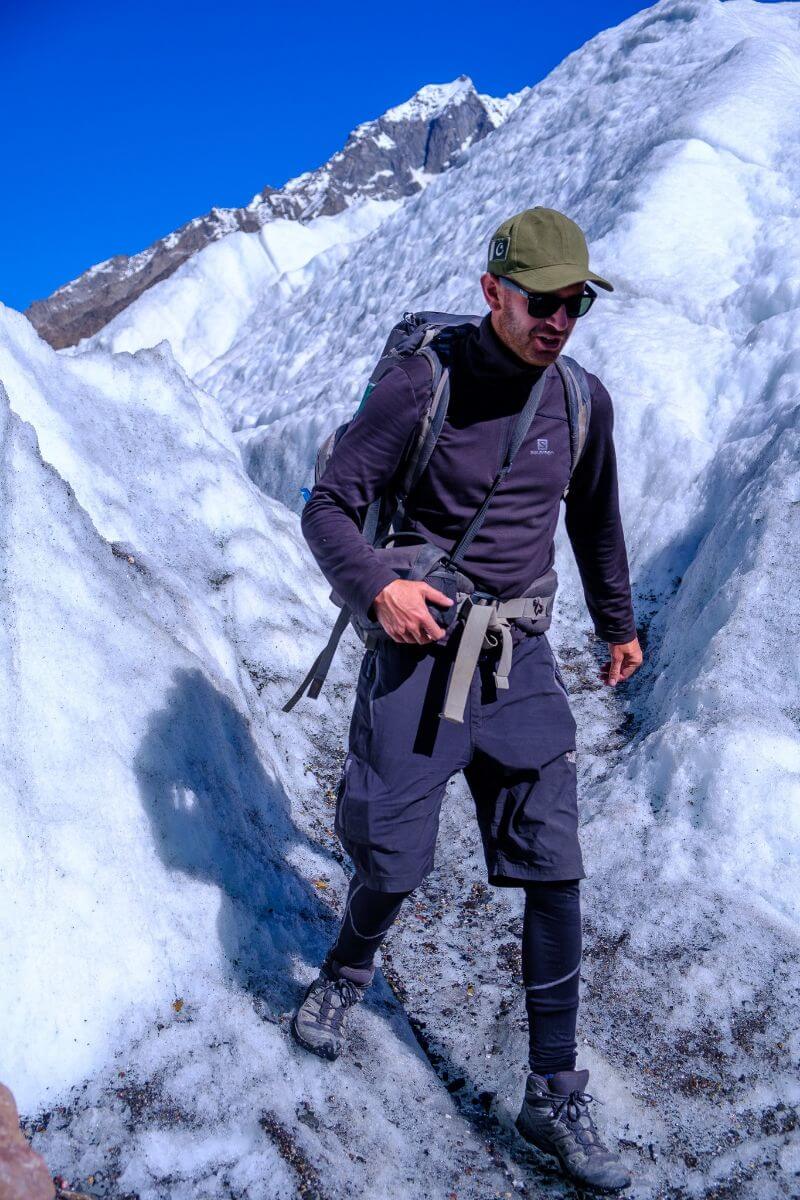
(378, 520)
(316, 676)
(487, 625)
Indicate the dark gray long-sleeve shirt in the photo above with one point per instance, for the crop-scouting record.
(489, 386)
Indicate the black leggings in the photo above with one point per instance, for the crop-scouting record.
(551, 971)
(551, 958)
(368, 917)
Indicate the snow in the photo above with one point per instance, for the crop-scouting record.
(201, 307)
(500, 108)
(431, 100)
(163, 905)
(421, 177)
(168, 827)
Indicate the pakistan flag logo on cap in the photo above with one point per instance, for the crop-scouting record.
(498, 251)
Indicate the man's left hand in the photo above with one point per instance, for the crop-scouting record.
(625, 659)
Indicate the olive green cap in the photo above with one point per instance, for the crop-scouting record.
(542, 250)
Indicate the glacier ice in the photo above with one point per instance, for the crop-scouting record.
(168, 828)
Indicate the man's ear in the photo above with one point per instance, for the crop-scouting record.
(491, 291)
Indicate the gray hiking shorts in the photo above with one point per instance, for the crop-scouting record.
(516, 749)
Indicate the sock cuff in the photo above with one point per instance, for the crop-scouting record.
(360, 975)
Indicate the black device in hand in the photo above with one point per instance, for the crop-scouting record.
(443, 578)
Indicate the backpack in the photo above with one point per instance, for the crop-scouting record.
(431, 335)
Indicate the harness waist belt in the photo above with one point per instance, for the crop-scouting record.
(487, 625)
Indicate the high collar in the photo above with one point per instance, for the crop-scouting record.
(489, 357)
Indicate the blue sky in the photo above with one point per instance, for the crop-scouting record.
(123, 121)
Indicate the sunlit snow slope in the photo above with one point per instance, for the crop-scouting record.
(162, 901)
(674, 141)
(202, 306)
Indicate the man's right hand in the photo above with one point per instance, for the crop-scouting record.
(400, 607)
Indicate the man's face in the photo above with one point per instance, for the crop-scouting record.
(537, 341)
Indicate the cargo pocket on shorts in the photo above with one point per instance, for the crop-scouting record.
(360, 791)
(542, 817)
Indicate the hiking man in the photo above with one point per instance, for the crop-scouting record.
(516, 741)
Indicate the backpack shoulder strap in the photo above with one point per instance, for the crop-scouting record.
(414, 335)
(579, 406)
(436, 347)
(430, 426)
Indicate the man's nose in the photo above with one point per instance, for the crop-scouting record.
(559, 320)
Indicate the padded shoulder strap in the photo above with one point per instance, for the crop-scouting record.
(383, 509)
(579, 406)
(431, 424)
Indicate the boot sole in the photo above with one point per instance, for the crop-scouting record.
(603, 1188)
(321, 1052)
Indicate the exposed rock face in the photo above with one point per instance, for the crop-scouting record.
(23, 1174)
(391, 157)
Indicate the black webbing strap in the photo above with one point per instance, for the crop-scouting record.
(520, 430)
(316, 676)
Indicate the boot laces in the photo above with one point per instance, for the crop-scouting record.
(576, 1112)
(347, 991)
(338, 996)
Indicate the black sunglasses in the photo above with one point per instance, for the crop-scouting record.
(544, 304)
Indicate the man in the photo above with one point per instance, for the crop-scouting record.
(516, 745)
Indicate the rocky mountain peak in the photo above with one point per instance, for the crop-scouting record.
(388, 158)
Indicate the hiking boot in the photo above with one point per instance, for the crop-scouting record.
(557, 1121)
(320, 1022)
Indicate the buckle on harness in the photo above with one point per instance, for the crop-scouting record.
(479, 596)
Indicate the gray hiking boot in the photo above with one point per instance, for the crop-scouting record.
(556, 1120)
(321, 1020)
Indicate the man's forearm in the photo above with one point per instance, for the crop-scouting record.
(604, 574)
(595, 530)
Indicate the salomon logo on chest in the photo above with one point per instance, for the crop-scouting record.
(542, 447)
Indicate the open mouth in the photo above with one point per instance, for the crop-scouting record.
(549, 343)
